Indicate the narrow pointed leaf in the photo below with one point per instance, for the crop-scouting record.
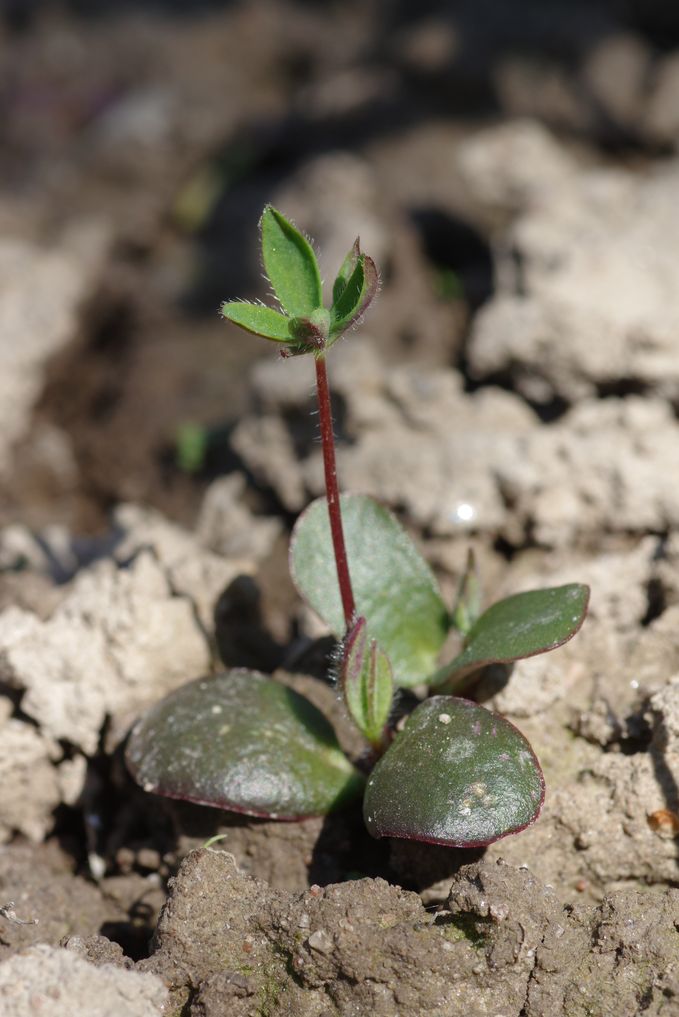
(367, 682)
(356, 296)
(262, 321)
(346, 269)
(290, 264)
(351, 672)
(457, 775)
(243, 742)
(380, 692)
(519, 626)
(350, 296)
(394, 588)
(468, 606)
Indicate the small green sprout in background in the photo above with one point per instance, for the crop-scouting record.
(199, 195)
(191, 445)
(456, 773)
(448, 284)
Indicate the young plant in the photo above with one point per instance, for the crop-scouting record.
(455, 773)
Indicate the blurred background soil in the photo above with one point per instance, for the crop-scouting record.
(145, 138)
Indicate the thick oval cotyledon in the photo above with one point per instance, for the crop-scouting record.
(457, 775)
(243, 742)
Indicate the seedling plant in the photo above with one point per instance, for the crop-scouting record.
(454, 773)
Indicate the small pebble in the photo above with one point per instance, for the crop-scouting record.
(148, 858)
(320, 941)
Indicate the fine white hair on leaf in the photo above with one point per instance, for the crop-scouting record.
(335, 664)
(251, 303)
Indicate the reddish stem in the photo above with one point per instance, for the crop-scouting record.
(332, 490)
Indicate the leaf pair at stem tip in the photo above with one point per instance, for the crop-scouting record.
(304, 324)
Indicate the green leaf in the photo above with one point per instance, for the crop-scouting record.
(355, 296)
(191, 445)
(348, 299)
(346, 269)
(290, 264)
(468, 605)
(519, 626)
(243, 742)
(260, 320)
(394, 588)
(456, 775)
(367, 682)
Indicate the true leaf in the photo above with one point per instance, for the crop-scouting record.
(456, 775)
(243, 742)
(367, 682)
(355, 297)
(351, 294)
(290, 264)
(346, 269)
(260, 320)
(394, 588)
(468, 605)
(519, 626)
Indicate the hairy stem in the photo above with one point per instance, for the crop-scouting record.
(332, 491)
